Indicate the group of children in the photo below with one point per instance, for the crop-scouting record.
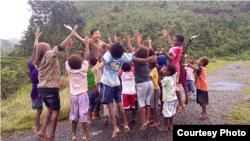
(115, 80)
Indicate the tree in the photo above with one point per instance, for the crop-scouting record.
(50, 16)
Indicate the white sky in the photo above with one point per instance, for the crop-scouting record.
(14, 18)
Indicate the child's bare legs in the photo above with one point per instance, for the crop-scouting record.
(143, 117)
(204, 112)
(74, 125)
(90, 117)
(170, 124)
(165, 126)
(156, 119)
(54, 118)
(133, 114)
(37, 120)
(42, 132)
(181, 106)
(84, 127)
(113, 119)
(186, 94)
(152, 114)
(122, 111)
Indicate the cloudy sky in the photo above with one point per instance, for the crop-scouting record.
(14, 18)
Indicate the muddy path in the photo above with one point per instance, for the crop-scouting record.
(225, 86)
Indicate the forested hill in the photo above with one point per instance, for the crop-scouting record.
(223, 28)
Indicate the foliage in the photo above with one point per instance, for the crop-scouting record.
(49, 16)
(222, 27)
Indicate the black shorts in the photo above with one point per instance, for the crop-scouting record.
(50, 97)
(202, 97)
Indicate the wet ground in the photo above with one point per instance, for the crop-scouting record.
(224, 88)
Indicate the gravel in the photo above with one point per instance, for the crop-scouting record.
(224, 88)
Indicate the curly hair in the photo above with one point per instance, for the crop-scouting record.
(126, 66)
(117, 50)
(75, 62)
(151, 52)
(171, 68)
(142, 52)
(205, 61)
(93, 61)
(153, 64)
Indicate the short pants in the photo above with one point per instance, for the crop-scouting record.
(110, 93)
(50, 97)
(155, 98)
(93, 100)
(37, 104)
(128, 100)
(79, 105)
(144, 93)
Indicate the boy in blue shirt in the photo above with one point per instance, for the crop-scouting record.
(112, 62)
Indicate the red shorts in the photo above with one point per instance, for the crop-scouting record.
(128, 99)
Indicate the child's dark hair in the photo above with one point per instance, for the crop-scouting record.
(126, 66)
(142, 52)
(180, 38)
(205, 61)
(75, 62)
(153, 64)
(92, 31)
(117, 50)
(171, 68)
(151, 52)
(93, 61)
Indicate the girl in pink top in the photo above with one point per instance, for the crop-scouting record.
(190, 78)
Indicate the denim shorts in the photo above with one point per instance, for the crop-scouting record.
(93, 100)
(110, 93)
(51, 100)
(37, 104)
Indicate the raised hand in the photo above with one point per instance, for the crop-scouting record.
(70, 43)
(109, 38)
(149, 39)
(115, 39)
(165, 33)
(136, 34)
(193, 37)
(38, 33)
(185, 56)
(127, 37)
(68, 27)
(73, 32)
(81, 53)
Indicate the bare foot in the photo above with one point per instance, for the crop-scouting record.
(155, 124)
(106, 121)
(178, 111)
(126, 129)
(133, 120)
(144, 126)
(162, 129)
(90, 122)
(84, 139)
(93, 116)
(42, 136)
(204, 115)
(170, 127)
(115, 132)
(74, 139)
(51, 139)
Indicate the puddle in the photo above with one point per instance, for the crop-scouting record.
(225, 86)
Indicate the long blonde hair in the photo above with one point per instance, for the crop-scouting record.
(39, 51)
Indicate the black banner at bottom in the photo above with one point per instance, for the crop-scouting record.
(214, 132)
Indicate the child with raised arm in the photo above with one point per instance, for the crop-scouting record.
(190, 78)
(112, 62)
(46, 62)
(128, 89)
(144, 84)
(175, 52)
(79, 100)
(201, 85)
(169, 96)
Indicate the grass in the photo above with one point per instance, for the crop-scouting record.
(17, 116)
(216, 64)
(240, 113)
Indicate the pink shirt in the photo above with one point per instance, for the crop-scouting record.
(190, 73)
(176, 53)
(78, 78)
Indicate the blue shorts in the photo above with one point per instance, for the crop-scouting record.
(93, 100)
(110, 93)
(37, 104)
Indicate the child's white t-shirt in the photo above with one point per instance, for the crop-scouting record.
(128, 83)
(78, 78)
(190, 73)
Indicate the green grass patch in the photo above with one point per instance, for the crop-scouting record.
(216, 64)
(240, 113)
(17, 116)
